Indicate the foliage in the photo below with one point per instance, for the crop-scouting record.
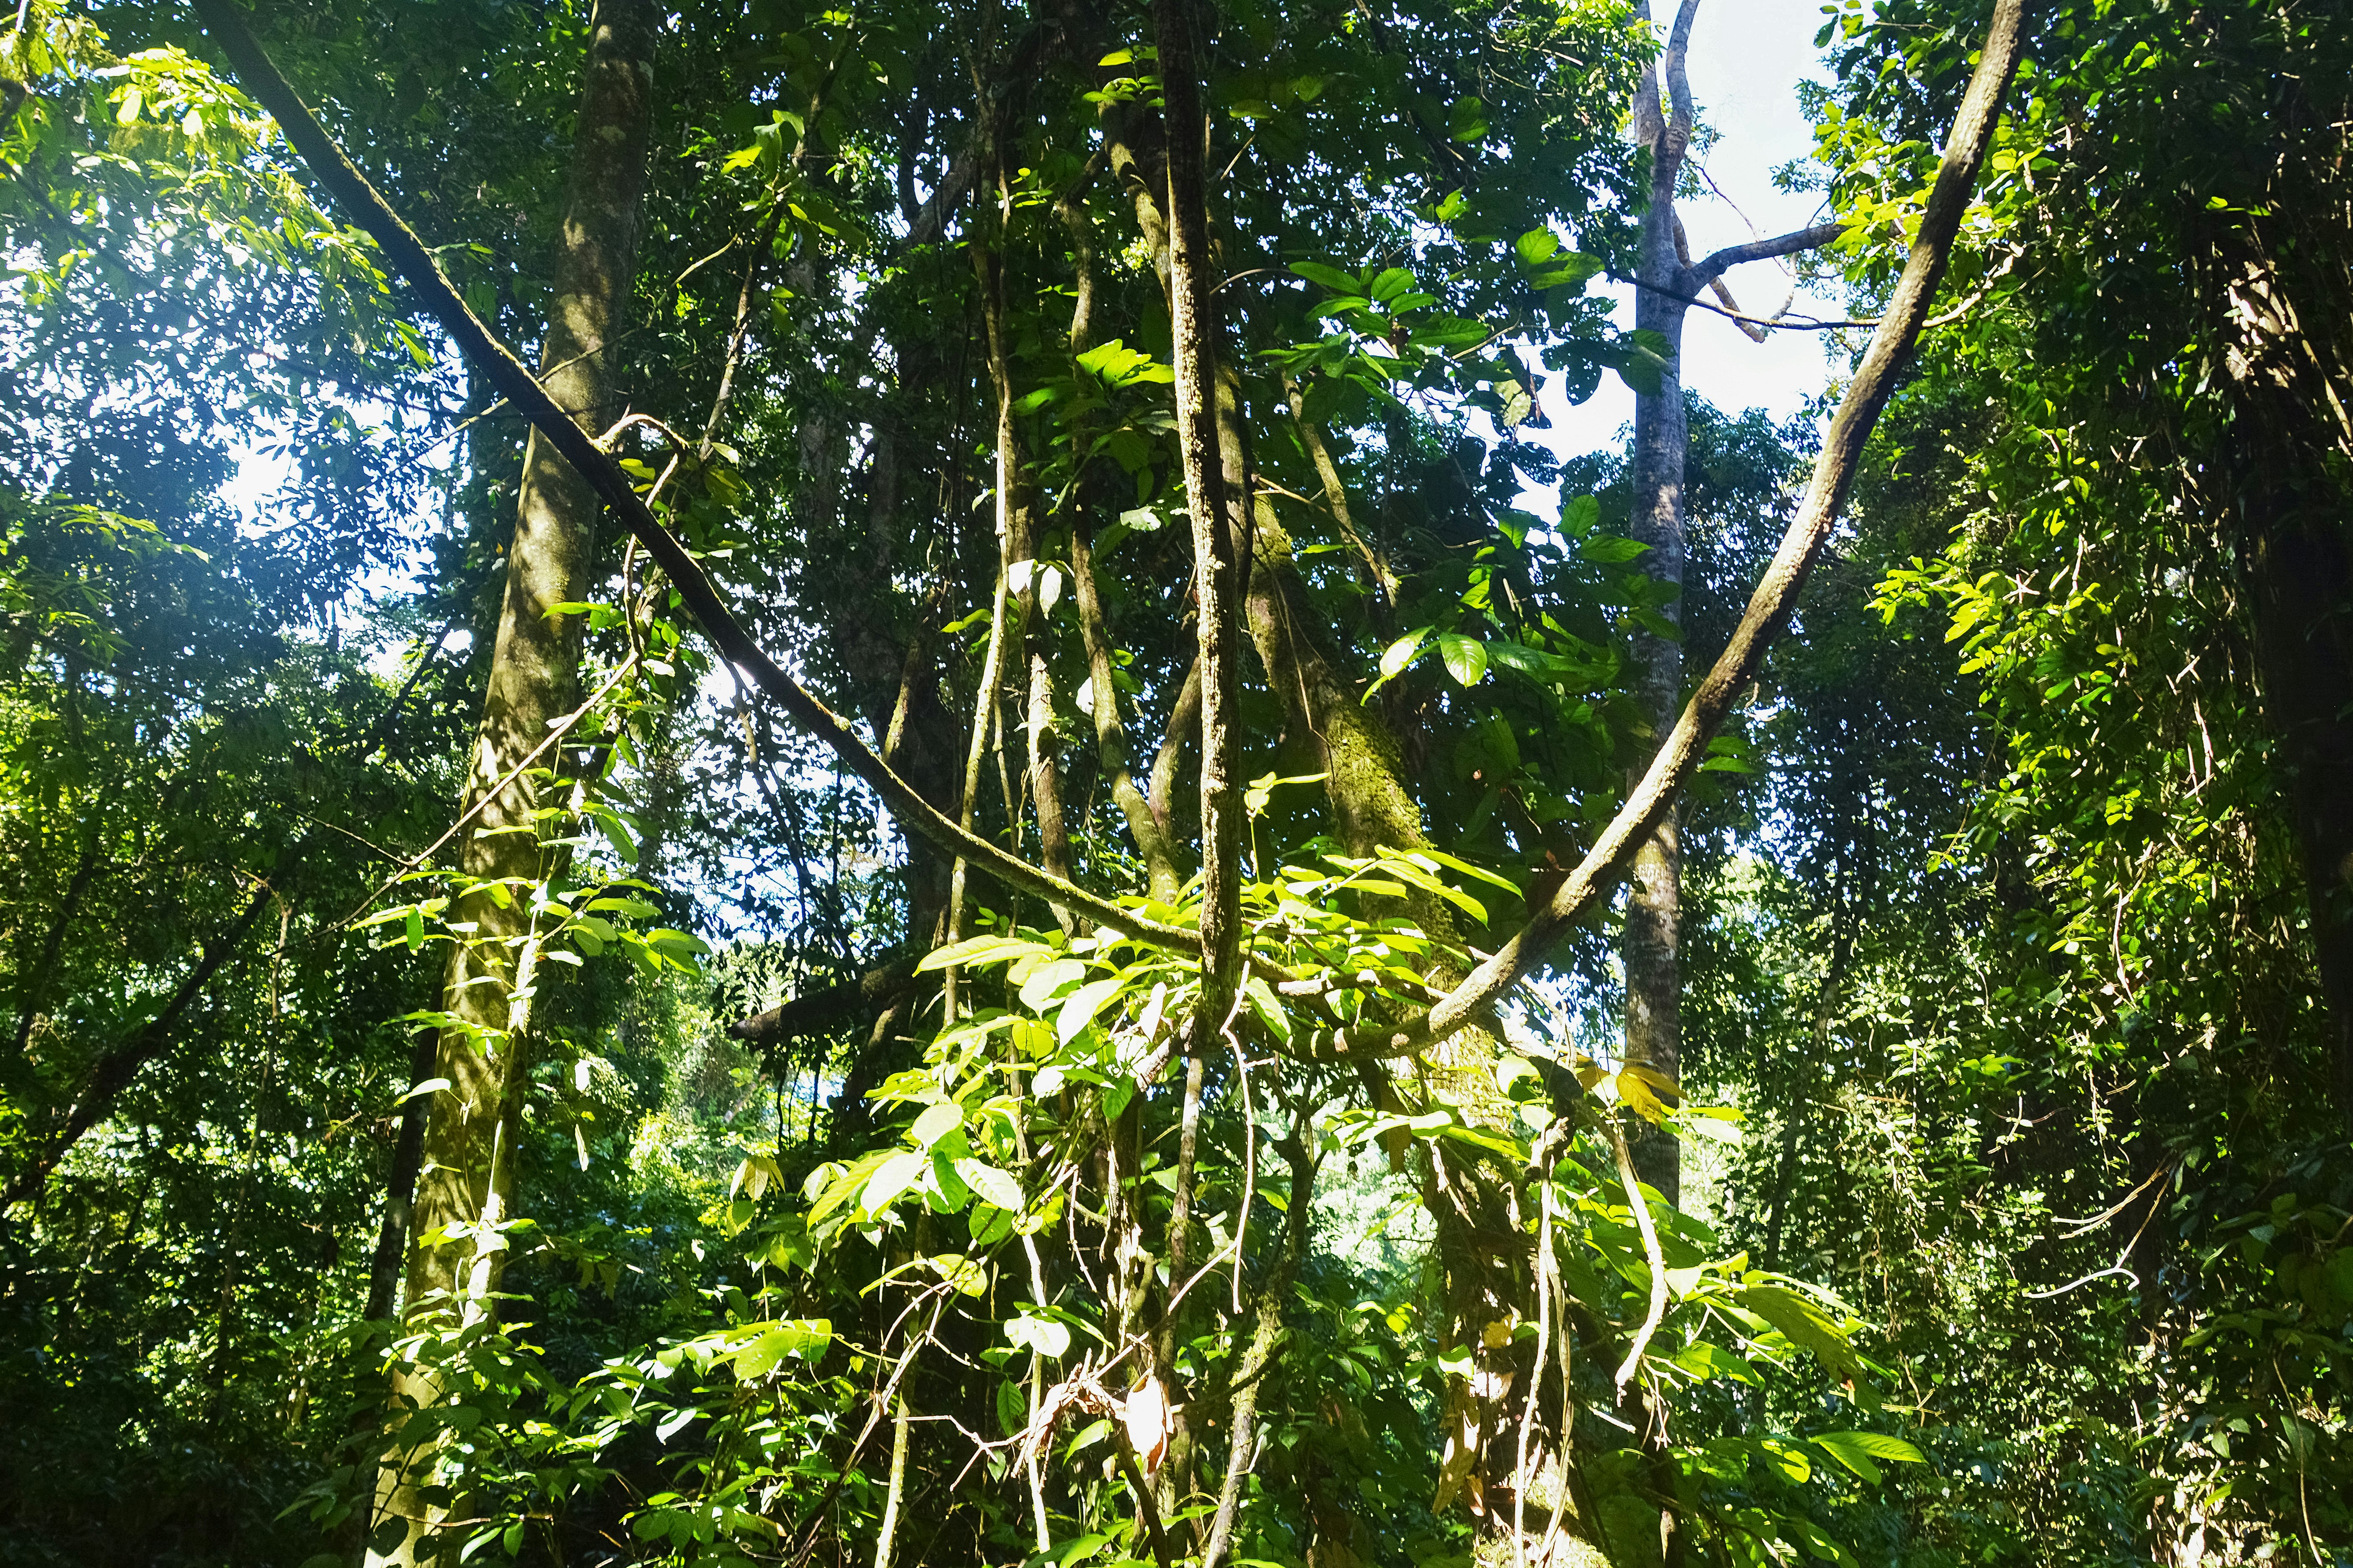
(2017, 1231)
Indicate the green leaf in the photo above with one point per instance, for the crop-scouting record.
(1804, 1325)
(677, 945)
(1330, 277)
(1466, 658)
(1012, 1407)
(1402, 652)
(996, 1186)
(1608, 550)
(1079, 1009)
(1048, 979)
(1537, 246)
(1044, 1335)
(935, 1123)
(806, 1339)
(892, 1178)
(975, 952)
(1857, 1450)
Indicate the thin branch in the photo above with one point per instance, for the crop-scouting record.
(1652, 1254)
(1779, 322)
(2087, 1279)
(556, 735)
(117, 1066)
(1193, 354)
(1184, 724)
(760, 249)
(1150, 833)
(378, 730)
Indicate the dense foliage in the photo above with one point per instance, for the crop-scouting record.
(642, 1141)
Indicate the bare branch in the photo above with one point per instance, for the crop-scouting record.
(1714, 266)
(1652, 1254)
(1755, 331)
(1679, 98)
(1184, 726)
(819, 1011)
(1780, 320)
(117, 1066)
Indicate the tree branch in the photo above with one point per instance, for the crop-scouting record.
(818, 1011)
(1711, 268)
(413, 263)
(1652, 1256)
(117, 1066)
(1193, 354)
(1768, 607)
(1679, 98)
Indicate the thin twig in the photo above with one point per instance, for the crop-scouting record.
(1650, 1255)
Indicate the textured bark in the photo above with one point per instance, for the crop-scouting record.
(1150, 833)
(1371, 807)
(1112, 754)
(1662, 436)
(821, 1012)
(469, 1139)
(1045, 760)
(1193, 324)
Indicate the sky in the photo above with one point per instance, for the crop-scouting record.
(1746, 59)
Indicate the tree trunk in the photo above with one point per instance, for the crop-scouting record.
(1216, 516)
(469, 1127)
(1662, 434)
(2290, 368)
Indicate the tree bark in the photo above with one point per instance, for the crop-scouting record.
(1216, 522)
(470, 1126)
(1651, 940)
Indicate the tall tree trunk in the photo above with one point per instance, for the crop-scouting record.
(2282, 304)
(470, 1126)
(1662, 436)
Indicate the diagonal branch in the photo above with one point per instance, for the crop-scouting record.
(117, 1066)
(1679, 757)
(414, 265)
(1711, 268)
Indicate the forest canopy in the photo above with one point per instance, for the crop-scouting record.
(803, 784)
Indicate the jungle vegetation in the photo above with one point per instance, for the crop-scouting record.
(823, 783)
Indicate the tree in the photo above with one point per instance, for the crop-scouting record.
(457, 1243)
(1667, 283)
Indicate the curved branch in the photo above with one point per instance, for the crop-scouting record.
(414, 265)
(1652, 1256)
(1679, 98)
(816, 1012)
(1679, 757)
(1712, 267)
